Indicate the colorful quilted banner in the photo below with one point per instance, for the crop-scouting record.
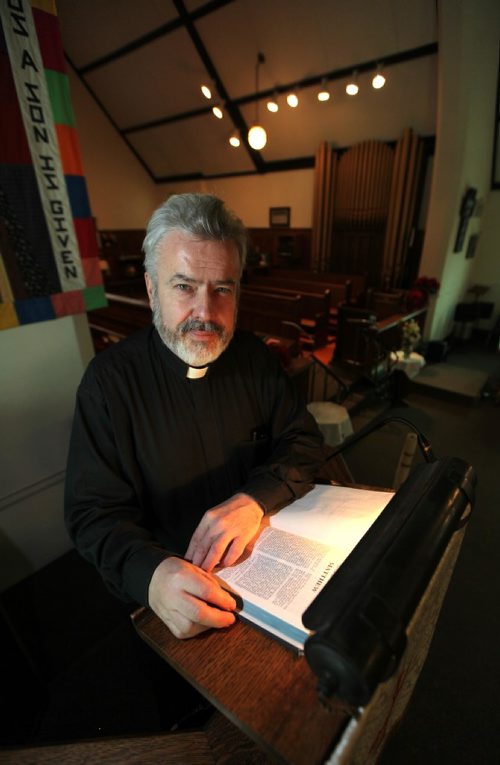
(49, 261)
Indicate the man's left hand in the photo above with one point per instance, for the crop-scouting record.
(224, 532)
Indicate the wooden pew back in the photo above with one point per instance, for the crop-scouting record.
(314, 308)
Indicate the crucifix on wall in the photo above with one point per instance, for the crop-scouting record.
(466, 210)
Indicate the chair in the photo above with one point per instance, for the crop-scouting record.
(355, 336)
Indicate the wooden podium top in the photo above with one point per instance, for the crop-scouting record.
(265, 689)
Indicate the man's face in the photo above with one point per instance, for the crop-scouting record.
(195, 299)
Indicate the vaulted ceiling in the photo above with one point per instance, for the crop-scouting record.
(144, 63)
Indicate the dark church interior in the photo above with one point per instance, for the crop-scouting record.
(371, 273)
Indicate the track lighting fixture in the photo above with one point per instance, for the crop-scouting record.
(352, 86)
(379, 79)
(217, 111)
(206, 91)
(272, 104)
(234, 140)
(323, 93)
(292, 100)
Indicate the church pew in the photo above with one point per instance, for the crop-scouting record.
(314, 308)
(117, 320)
(358, 282)
(340, 293)
(265, 312)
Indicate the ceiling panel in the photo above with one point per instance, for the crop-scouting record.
(155, 81)
(93, 28)
(198, 145)
(300, 39)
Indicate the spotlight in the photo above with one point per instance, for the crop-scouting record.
(272, 105)
(217, 111)
(323, 93)
(234, 140)
(206, 91)
(352, 86)
(378, 80)
(292, 100)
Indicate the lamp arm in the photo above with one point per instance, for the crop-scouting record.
(423, 443)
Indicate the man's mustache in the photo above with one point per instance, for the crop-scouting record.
(192, 325)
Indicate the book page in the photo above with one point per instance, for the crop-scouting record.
(282, 576)
(334, 515)
(297, 554)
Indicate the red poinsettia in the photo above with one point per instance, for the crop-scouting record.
(427, 284)
(418, 296)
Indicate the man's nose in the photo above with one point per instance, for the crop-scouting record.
(204, 305)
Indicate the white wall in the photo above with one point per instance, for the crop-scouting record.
(122, 195)
(251, 196)
(41, 367)
(486, 266)
(467, 76)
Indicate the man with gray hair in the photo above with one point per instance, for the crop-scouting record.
(187, 432)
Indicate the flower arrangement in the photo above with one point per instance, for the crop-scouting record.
(410, 336)
(418, 296)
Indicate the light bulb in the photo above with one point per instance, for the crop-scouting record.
(292, 100)
(257, 137)
(378, 81)
(217, 111)
(206, 91)
(234, 141)
(351, 89)
(272, 106)
(323, 95)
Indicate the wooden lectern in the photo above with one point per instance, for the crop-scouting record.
(269, 692)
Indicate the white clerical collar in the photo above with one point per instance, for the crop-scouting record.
(194, 373)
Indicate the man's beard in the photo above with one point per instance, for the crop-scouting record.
(196, 353)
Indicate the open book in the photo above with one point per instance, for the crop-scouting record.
(297, 552)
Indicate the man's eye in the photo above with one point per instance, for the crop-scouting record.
(224, 290)
(183, 287)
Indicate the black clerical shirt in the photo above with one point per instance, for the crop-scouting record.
(152, 450)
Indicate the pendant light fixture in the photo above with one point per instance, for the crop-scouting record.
(257, 136)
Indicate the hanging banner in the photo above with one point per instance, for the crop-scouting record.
(49, 264)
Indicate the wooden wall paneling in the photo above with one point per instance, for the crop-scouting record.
(407, 168)
(391, 226)
(409, 180)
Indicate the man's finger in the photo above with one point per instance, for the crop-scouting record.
(234, 552)
(200, 612)
(206, 588)
(213, 554)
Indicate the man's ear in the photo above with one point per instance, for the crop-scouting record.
(149, 287)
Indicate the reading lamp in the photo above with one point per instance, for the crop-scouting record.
(376, 424)
(359, 619)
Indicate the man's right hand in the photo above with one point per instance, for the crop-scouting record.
(189, 600)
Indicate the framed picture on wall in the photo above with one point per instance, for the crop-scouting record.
(279, 217)
(471, 246)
